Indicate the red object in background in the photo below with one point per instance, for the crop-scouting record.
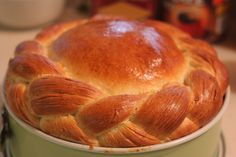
(203, 19)
(195, 29)
(150, 5)
(218, 2)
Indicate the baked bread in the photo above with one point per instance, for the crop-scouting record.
(115, 82)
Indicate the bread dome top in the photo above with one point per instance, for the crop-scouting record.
(119, 55)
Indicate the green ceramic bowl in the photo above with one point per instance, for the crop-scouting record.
(26, 141)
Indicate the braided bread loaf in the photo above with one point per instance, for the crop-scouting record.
(114, 82)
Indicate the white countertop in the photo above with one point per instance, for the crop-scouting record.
(10, 38)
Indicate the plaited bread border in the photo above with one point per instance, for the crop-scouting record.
(96, 149)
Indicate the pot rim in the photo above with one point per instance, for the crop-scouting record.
(107, 150)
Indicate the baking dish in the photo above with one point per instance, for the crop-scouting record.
(26, 141)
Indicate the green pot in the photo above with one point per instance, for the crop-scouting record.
(26, 141)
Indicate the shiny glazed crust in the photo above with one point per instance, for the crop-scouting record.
(114, 82)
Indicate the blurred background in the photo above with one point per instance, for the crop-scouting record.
(211, 20)
(206, 19)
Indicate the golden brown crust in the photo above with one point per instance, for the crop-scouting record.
(127, 135)
(164, 111)
(151, 59)
(185, 128)
(50, 33)
(29, 66)
(52, 95)
(65, 127)
(17, 100)
(113, 82)
(29, 47)
(207, 99)
(107, 112)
